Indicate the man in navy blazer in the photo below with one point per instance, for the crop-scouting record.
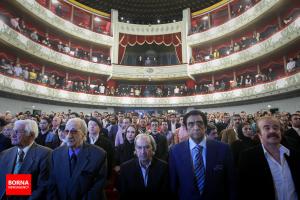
(219, 175)
(78, 170)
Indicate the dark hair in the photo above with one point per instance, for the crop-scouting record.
(236, 115)
(195, 112)
(74, 113)
(210, 127)
(96, 121)
(46, 119)
(154, 120)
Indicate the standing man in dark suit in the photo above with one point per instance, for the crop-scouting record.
(270, 167)
(78, 169)
(26, 157)
(97, 138)
(173, 125)
(160, 140)
(292, 135)
(201, 168)
(144, 177)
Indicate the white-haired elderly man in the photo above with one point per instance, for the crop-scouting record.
(26, 157)
(78, 169)
(144, 177)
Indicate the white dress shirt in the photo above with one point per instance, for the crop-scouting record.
(192, 145)
(281, 173)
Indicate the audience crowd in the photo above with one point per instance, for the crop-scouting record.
(126, 155)
(56, 80)
(97, 55)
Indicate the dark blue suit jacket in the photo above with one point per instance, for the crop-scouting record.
(36, 163)
(220, 180)
(89, 176)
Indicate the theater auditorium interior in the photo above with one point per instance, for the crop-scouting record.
(149, 60)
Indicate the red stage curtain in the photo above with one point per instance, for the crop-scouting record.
(132, 40)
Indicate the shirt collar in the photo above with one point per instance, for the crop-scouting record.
(93, 139)
(145, 167)
(193, 144)
(76, 151)
(282, 149)
(297, 130)
(26, 149)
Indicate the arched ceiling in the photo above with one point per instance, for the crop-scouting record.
(148, 11)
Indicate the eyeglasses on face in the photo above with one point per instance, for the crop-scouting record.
(66, 132)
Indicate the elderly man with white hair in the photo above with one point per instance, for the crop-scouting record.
(78, 169)
(26, 157)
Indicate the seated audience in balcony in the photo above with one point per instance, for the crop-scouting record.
(10, 68)
(34, 36)
(66, 49)
(60, 47)
(248, 81)
(58, 10)
(236, 47)
(271, 75)
(298, 61)
(3, 65)
(46, 42)
(148, 61)
(216, 54)
(52, 80)
(26, 74)
(140, 61)
(259, 78)
(18, 71)
(290, 66)
(287, 20)
(15, 23)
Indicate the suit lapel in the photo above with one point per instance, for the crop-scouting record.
(82, 161)
(211, 156)
(11, 162)
(139, 177)
(186, 161)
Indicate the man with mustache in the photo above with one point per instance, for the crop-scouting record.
(269, 167)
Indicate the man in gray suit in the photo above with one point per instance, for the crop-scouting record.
(78, 169)
(26, 157)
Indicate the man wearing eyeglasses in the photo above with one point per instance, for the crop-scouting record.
(201, 168)
(26, 157)
(79, 169)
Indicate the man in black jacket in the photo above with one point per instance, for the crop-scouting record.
(160, 140)
(292, 135)
(271, 168)
(144, 177)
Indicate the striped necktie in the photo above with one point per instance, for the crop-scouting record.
(199, 168)
(19, 162)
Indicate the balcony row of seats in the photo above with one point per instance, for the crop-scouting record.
(81, 18)
(201, 23)
(54, 42)
(79, 83)
(203, 54)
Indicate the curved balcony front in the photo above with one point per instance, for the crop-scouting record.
(47, 16)
(280, 86)
(234, 24)
(280, 39)
(149, 73)
(13, 38)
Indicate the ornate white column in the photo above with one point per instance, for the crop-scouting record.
(186, 24)
(114, 51)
